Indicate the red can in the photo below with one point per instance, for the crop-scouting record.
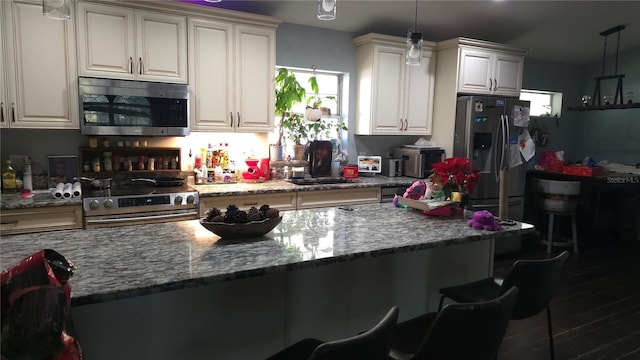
(350, 171)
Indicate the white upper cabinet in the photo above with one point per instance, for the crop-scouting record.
(122, 43)
(489, 72)
(393, 98)
(231, 73)
(38, 79)
(472, 67)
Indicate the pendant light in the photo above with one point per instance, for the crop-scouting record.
(414, 43)
(326, 9)
(57, 9)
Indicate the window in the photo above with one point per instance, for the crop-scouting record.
(329, 85)
(332, 95)
(543, 103)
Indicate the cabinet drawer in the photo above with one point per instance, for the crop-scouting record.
(280, 201)
(22, 221)
(324, 198)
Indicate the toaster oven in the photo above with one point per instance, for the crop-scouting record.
(416, 161)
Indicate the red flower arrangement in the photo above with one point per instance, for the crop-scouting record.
(455, 174)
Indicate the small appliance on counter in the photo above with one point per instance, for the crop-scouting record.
(393, 167)
(416, 160)
(369, 165)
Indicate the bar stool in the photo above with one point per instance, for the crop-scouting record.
(558, 198)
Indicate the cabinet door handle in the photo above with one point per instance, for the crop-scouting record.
(238, 119)
(1, 112)
(130, 65)
(495, 84)
(231, 117)
(490, 84)
(140, 67)
(13, 112)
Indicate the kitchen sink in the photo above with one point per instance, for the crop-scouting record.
(319, 180)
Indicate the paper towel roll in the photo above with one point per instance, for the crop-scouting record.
(57, 192)
(76, 189)
(68, 191)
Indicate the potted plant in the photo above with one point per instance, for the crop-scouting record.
(297, 129)
(288, 92)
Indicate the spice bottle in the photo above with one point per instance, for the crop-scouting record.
(8, 178)
(151, 165)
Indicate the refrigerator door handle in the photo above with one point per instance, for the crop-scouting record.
(496, 166)
(505, 141)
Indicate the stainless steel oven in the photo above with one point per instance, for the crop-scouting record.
(133, 205)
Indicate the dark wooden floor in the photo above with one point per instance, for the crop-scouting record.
(596, 310)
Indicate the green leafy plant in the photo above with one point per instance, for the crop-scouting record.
(314, 101)
(288, 93)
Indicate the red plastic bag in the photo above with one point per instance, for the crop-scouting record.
(35, 301)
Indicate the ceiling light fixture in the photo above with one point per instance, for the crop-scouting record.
(414, 43)
(326, 9)
(57, 9)
(213, 1)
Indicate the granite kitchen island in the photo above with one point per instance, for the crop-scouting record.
(175, 290)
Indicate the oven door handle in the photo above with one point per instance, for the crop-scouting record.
(140, 218)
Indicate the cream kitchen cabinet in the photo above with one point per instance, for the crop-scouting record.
(336, 197)
(22, 221)
(231, 71)
(475, 67)
(490, 72)
(124, 43)
(280, 201)
(36, 90)
(393, 98)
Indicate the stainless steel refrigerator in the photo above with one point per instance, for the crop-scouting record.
(485, 133)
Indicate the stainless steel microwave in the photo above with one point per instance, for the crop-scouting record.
(129, 107)
(416, 162)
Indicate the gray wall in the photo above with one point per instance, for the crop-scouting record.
(612, 135)
(563, 78)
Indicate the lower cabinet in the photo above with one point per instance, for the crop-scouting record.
(295, 199)
(23, 221)
(280, 201)
(323, 198)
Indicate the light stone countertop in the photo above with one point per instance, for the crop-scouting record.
(276, 186)
(40, 198)
(128, 261)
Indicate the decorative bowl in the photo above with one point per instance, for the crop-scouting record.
(241, 231)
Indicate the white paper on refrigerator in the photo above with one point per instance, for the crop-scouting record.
(520, 116)
(527, 145)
